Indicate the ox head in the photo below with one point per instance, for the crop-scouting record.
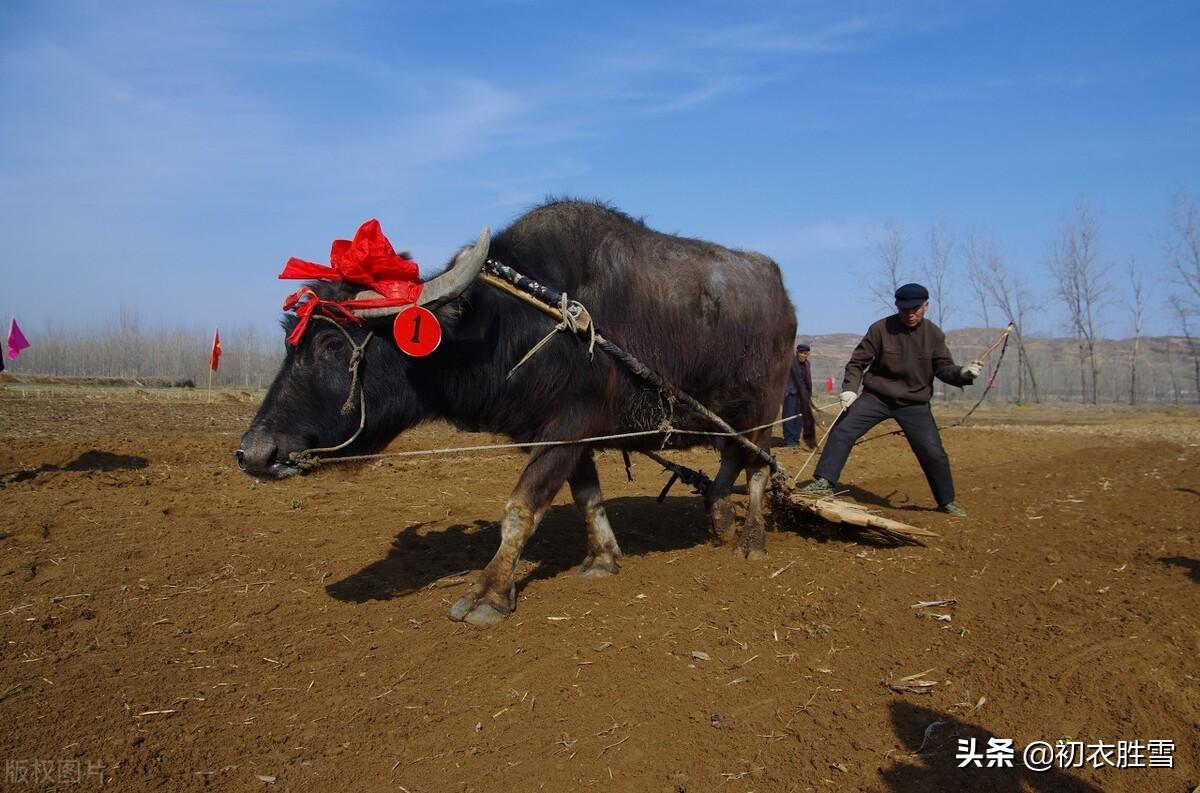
(322, 399)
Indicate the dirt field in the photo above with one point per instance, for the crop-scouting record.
(170, 624)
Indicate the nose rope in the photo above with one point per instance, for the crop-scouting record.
(307, 458)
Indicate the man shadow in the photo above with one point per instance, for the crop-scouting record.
(420, 557)
(932, 762)
(91, 461)
(1191, 565)
(897, 500)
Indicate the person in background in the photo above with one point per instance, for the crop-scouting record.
(894, 365)
(798, 395)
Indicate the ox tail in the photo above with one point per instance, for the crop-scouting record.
(809, 433)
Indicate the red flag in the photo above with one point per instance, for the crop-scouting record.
(16, 340)
(214, 358)
(829, 385)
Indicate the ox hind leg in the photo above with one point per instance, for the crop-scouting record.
(753, 540)
(494, 595)
(603, 551)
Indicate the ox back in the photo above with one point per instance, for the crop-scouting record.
(714, 322)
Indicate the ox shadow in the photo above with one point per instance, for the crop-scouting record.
(930, 763)
(1192, 566)
(420, 557)
(90, 461)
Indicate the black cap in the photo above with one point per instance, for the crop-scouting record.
(911, 296)
(802, 348)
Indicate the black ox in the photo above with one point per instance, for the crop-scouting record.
(714, 322)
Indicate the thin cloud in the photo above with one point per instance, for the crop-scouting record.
(847, 35)
(709, 91)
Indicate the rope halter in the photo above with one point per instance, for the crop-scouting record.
(306, 458)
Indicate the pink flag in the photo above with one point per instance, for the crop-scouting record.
(16, 340)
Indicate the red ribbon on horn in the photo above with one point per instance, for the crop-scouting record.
(368, 261)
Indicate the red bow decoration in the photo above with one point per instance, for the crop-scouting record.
(369, 261)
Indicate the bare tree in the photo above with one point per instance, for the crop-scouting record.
(1183, 249)
(1183, 253)
(1137, 307)
(1183, 313)
(1005, 290)
(937, 271)
(1080, 277)
(977, 249)
(884, 282)
(1171, 371)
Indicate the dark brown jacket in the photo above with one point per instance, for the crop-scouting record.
(898, 363)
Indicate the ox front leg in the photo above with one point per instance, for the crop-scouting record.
(603, 552)
(718, 501)
(494, 595)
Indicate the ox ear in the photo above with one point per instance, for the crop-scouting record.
(441, 289)
(459, 275)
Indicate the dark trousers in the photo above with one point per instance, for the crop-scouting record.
(919, 427)
(793, 429)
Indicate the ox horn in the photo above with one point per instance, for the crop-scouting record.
(443, 288)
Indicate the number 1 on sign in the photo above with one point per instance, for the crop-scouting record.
(417, 331)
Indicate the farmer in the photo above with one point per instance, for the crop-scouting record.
(798, 392)
(895, 364)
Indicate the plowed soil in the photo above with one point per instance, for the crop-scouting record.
(168, 623)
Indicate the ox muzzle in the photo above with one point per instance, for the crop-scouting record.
(267, 455)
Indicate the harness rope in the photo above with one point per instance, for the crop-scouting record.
(527, 445)
(574, 318)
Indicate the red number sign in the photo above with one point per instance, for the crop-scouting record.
(416, 331)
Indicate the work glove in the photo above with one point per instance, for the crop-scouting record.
(973, 369)
(847, 398)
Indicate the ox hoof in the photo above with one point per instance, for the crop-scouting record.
(722, 523)
(462, 607)
(753, 554)
(485, 614)
(470, 608)
(599, 567)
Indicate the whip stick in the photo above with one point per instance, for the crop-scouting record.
(817, 448)
(998, 341)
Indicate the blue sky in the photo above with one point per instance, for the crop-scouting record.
(169, 157)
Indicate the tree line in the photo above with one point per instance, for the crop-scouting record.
(126, 350)
(1090, 290)
(968, 276)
